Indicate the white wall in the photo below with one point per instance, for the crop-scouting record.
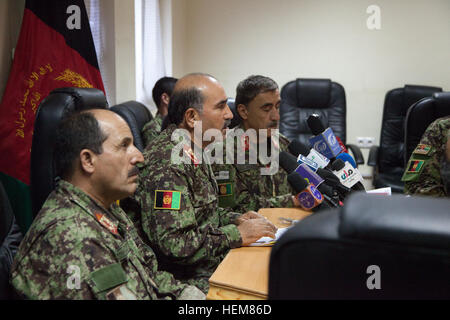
(286, 39)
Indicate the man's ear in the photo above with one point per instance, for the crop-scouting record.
(88, 160)
(190, 116)
(165, 98)
(242, 111)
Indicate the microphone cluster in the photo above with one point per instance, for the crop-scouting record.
(322, 175)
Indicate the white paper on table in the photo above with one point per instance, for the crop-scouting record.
(268, 241)
(383, 191)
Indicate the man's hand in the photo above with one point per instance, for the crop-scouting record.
(253, 229)
(248, 215)
(296, 202)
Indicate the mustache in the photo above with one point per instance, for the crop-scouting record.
(133, 172)
(227, 124)
(273, 124)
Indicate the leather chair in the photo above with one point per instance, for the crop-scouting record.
(388, 158)
(136, 115)
(302, 97)
(399, 244)
(420, 116)
(58, 104)
(10, 238)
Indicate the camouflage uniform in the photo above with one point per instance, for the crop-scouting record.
(152, 129)
(73, 235)
(422, 175)
(180, 215)
(243, 188)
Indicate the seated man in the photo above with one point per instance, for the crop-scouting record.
(179, 206)
(82, 245)
(257, 102)
(423, 174)
(161, 95)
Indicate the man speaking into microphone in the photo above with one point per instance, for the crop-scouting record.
(257, 103)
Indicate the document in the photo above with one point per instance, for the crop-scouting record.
(267, 241)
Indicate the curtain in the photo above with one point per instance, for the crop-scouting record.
(97, 19)
(150, 63)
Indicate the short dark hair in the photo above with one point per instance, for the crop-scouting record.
(163, 85)
(250, 87)
(74, 133)
(183, 99)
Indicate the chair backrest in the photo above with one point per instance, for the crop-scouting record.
(420, 115)
(396, 105)
(302, 97)
(10, 238)
(58, 104)
(6, 214)
(401, 245)
(136, 115)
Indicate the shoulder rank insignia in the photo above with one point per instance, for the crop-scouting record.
(104, 221)
(422, 149)
(225, 189)
(191, 155)
(165, 199)
(415, 166)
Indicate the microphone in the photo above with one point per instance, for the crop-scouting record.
(324, 140)
(306, 155)
(307, 195)
(289, 163)
(346, 157)
(348, 175)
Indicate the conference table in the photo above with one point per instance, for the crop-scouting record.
(244, 273)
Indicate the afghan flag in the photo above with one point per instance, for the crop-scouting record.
(55, 49)
(165, 199)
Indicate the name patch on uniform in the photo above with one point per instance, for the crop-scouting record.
(165, 199)
(104, 221)
(225, 189)
(415, 166)
(222, 175)
(422, 149)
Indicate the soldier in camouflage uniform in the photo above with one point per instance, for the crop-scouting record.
(242, 184)
(81, 244)
(180, 215)
(161, 95)
(423, 171)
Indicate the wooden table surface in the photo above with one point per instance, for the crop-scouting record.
(244, 273)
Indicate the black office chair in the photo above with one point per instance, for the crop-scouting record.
(400, 245)
(10, 238)
(58, 104)
(388, 158)
(420, 116)
(136, 115)
(302, 97)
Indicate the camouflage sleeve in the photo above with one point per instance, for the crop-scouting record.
(246, 201)
(175, 232)
(428, 180)
(68, 262)
(227, 216)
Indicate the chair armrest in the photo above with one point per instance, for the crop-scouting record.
(359, 158)
(373, 156)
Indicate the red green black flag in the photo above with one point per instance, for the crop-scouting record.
(55, 49)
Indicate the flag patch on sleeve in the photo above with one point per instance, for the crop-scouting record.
(165, 199)
(225, 189)
(415, 166)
